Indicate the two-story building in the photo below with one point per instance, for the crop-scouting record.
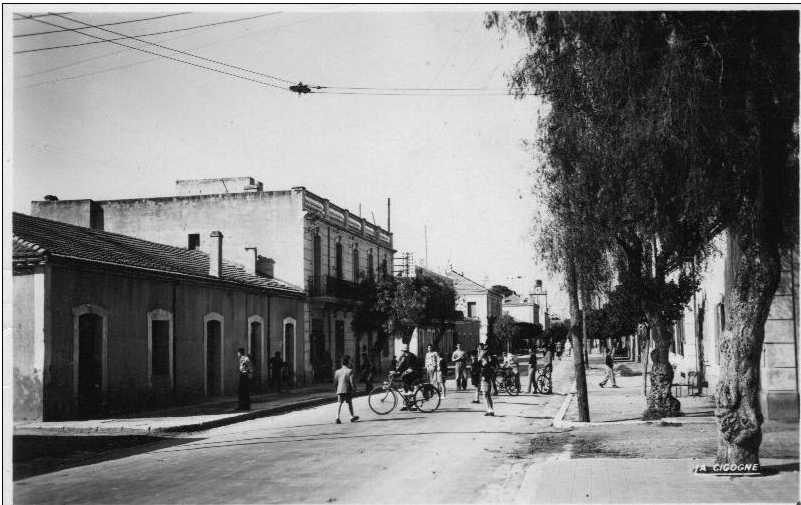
(305, 239)
(476, 302)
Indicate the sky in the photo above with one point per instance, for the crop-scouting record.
(103, 121)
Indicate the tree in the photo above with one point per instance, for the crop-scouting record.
(503, 290)
(505, 331)
(689, 121)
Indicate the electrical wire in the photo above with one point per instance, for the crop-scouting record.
(33, 17)
(48, 32)
(64, 46)
(231, 74)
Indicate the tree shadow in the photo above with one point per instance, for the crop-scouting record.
(767, 470)
(41, 454)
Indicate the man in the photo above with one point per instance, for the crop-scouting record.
(459, 357)
(532, 371)
(610, 370)
(276, 364)
(245, 374)
(343, 378)
(475, 375)
(407, 367)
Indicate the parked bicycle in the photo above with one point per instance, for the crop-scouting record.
(543, 380)
(384, 398)
(508, 382)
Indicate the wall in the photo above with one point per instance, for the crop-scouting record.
(520, 313)
(127, 299)
(271, 221)
(28, 342)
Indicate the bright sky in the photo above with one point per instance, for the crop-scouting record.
(102, 121)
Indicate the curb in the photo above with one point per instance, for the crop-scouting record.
(183, 428)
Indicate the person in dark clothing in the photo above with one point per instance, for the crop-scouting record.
(407, 367)
(475, 375)
(532, 371)
(610, 370)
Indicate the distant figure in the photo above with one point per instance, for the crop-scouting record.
(459, 358)
(441, 374)
(487, 380)
(569, 348)
(343, 379)
(475, 375)
(276, 364)
(245, 374)
(610, 370)
(559, 349)
(432, 364)
(532, 371)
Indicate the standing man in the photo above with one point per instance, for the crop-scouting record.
(276, 364)
(532, 371)
(459, 357)
(343, 378)
(245, 374)
(610, 369)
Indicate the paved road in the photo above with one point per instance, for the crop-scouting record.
(456, 455)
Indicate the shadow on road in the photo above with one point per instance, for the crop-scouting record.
(36, 455)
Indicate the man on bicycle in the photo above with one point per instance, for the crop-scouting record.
(510, 366)
(407, 368)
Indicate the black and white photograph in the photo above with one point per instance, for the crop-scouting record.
(400, 253)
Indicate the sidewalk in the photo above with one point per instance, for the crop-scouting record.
(218, 412)
(617, 458)
(627, 403)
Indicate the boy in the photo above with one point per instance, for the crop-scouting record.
(343, 378)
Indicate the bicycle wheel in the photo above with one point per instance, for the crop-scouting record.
(382, 400)
(426, 398)
(500, 383)
(512, 388)
(544, 384)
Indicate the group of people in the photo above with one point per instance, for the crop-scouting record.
(278, 373)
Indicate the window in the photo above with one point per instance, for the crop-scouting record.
(289, 343)
(370, 264)
(339, 260)
(317, 257)
(339, 339)
(193, 241)
(355, 265)
(471, 309)
(213, 344)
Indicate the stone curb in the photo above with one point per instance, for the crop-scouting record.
(182, 428)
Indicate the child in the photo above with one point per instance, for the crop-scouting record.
(487, 380)
(343, 378)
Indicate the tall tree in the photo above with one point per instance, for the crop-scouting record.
(691, 121)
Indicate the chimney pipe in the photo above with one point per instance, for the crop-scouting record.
(253, 259)
(215, 254)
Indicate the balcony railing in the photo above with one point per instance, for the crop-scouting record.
(326, 285)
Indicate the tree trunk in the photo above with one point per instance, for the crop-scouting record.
(660, 400)
(757, 269)
(578, 345)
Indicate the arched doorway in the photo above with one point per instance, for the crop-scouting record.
(289, 345)
(214, 354)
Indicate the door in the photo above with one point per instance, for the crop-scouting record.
(255, 352)
(289, 346)
(90, 364)
(213, 355)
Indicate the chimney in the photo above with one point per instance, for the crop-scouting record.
(215, 254)
(253, 259)
(265, 267)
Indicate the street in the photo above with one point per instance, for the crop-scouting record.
(455, 455)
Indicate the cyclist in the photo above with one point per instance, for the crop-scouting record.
(407, 368)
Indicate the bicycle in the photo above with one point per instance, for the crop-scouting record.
(384, 398)
(508, 382)
(543, 380)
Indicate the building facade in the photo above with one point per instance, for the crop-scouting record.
(307, 240)
(105, 323)
(476, 302)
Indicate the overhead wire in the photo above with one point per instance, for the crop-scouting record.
(273, 85)
(33, 17)
(64, 46)
(48, 32)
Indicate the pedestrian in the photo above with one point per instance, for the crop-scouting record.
(343, 378)
(532, 371)
(559, 348)
(475, 375)
(493, 361)
(459, 359)
(276, 364)
(487, 379)
(431, 364)
(442, 374)
(245, 374)
(610, 370)
(569, 348)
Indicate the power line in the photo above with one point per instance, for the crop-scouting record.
(64, 46)
(187, 53)
(231, 74)
(104, 24)
(33, 17)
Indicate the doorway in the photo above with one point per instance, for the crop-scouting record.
(90, 364)
(213, 358)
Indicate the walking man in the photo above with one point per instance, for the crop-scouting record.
(610, 370)
(343, 378)
(245, 374)
(459, 358)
